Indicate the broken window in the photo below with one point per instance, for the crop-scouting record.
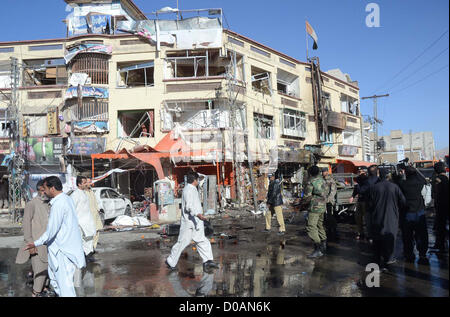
(326, 101)
(137, 74)
(261, 80)
(193, 115)
(96, 66)
(288, 83)
(203, 63)
(263, 126)
(137, 124)
(326, 137)
(43, 72)
(294, 123)
(352, 137)
(349, 105)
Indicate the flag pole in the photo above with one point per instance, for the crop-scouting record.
(306, 35)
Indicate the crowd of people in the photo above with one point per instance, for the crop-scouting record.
(61, 232)
(385, 203)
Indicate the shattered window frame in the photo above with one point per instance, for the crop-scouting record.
(203, 63)
(260, 75)
(263, 126)
(33, 67)
(292, 88)
(349, 105)
(135, 132)
(126, 68)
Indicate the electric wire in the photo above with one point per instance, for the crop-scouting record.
(412, 62)
(420, 80)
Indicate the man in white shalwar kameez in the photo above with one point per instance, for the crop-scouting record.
(63, 240)
(84, 215)
(192, 227)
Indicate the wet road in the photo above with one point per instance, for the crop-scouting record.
(251, 264)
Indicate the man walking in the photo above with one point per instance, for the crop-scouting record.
(360, 212)
(316, 196)
(192, 227)
(275, 204)
(330, 220)
(413, 220)
(85, 219)
(384, 201)
(95, 212)
(35, 220)
(63, 239)
(441, 205)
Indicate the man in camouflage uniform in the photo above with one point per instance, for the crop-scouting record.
(316, 195)
(330, 220)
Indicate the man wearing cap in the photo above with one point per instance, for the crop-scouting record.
(275, 204)
(330, 220)
(441, 205)
(316, 196)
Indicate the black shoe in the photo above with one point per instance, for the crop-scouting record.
(281, 233)
(211, 264)
(90, 258)
(423, 260)
(170, 267)
(316, 253)
(265, 231)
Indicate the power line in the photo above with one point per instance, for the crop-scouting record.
(433, 73)
(420, 68)
(410, 63)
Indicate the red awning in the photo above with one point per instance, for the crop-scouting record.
(355, 163)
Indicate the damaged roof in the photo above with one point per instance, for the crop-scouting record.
(127, 4)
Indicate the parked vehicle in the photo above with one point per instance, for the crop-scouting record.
(112, 204)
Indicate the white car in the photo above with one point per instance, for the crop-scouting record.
(111, 203)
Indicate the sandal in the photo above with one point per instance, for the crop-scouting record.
(35, 294)
(48, 292)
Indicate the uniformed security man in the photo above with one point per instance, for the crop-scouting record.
(316, 196)
(330, 220)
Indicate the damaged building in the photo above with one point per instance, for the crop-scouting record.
(159, 96)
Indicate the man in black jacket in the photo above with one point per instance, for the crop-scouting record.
(275, 204)
(441, 205)
(385, 199)
(413, 221)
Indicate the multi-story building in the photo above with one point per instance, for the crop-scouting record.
(166, 95)
(415, 146)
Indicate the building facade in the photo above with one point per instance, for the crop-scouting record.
(416, 146)
(194, 95)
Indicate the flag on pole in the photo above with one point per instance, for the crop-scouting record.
(312, 33)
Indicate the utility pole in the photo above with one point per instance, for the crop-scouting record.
(377, 121)
(16, 167)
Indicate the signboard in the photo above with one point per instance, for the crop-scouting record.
(43, 151)
(52, 120)
(400, 152)
(87, 146)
